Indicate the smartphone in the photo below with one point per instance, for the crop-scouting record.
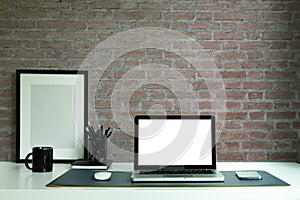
(248, 175)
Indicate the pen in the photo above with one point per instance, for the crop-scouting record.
(106, 131)
(100, 132)
(110, 133)
(91, 130)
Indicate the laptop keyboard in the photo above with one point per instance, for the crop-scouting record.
(181, 171)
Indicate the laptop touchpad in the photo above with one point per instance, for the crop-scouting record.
(177, 175)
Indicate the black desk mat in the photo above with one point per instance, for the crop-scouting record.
(84, 178)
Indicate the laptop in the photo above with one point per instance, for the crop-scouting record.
(175, 148)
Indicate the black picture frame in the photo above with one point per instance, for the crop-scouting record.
(52, 110)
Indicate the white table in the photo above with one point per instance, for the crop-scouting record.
(16, 182)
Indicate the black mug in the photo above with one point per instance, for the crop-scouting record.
(42, 159)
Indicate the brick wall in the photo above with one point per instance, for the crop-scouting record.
(255, 46)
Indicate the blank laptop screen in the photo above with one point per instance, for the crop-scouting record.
(174, 141)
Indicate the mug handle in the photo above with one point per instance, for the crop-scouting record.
(26, 161)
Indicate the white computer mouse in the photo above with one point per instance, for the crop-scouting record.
(102, 176)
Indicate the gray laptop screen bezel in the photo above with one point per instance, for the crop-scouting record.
(155, 167)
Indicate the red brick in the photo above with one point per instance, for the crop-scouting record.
(8, 24)
(30, 34)
(280, 75)
(129, 5)
(295, 44)
(128, 25)
(255, 95)
(253, 36)
(230, 45)
(232, 156)
(281, 105)
(228, 6)
(9, 4)
(233, 136)
(277, 17)
(26, 24)
(257, 145)
(236, 115)
(153, 24)
(204, 16)
(277, 36)
(154, 6)
(283, 145)
(179, 16)
(149, 104)
(257, 85)
(236, 95)
(203, 6)
(279, 95)
(282, 135)
(4, 134)
(296, 125)
(277, 7)
(255, 45)
(253, 17)
(56, 44)
(233, 85)
(229, 16)
(210, 45)
(231, 145)
(205, 105)
(254, 26)
(204, 25)
(280, 156)
(179, 26)
(279, 55)
(153, 15)
(199, 85)
(6, 33)
(283, 125)
(228, 36)
(254, 125)
(231, 55)
(53, 54)
(257, 135)
(157, 95)
(103, 25)
(293, 7)
(233, 75)
(5, 144)
(6, 53)
(258, 105)
(229, 25)
(30, 14)
(256, 115)
(257, 156)
(128, 15)
(180, 6)
(58, 5)
(4, 155)
(281, 115)
(256, 64)
(253, 6)
(279, 45)
(233, 105)
(230, 65)
(80, 5)
(106, 5)
(233, 125)
(28, 54)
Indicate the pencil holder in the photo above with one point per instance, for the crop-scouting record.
(97, 149)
